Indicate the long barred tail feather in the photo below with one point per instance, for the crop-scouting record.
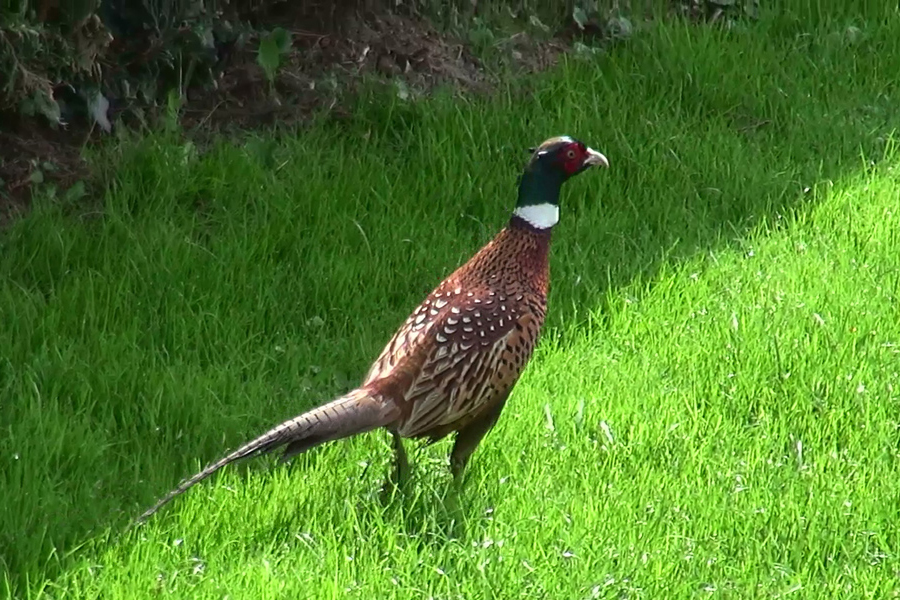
(357, 412)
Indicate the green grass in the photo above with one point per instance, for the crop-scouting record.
(713, 410)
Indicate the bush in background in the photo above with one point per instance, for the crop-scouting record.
(67, 59)
(59, 58)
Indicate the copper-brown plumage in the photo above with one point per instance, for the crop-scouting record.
(453, 362)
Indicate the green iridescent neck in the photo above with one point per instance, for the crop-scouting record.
(539, 185)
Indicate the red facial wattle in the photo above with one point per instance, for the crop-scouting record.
(572, 158)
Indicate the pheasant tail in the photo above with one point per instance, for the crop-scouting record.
(357, 412)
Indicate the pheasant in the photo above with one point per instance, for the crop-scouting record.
(451, 366)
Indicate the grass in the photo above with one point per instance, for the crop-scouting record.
(713, 410)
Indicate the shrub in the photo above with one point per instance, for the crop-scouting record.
(62, 58)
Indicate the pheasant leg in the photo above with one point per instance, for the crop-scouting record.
(400, 473)
(470, 436)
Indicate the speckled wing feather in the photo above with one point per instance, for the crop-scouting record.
(465, 346)
(456, 355)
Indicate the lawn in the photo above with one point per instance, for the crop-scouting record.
(714, 408)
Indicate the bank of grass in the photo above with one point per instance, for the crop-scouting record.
(713, 409)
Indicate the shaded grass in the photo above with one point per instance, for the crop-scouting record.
(713, 407)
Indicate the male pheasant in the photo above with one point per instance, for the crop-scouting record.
(453, 363)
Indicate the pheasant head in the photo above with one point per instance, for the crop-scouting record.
(552, 164)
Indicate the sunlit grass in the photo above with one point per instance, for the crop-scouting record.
(713, 409)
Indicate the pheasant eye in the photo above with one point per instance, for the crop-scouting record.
(570, 154)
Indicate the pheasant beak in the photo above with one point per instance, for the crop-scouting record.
(595, 159)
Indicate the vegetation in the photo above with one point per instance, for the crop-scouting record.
(74, 71)
(66, 61)
(712, 410)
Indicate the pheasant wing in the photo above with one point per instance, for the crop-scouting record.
(454, 356)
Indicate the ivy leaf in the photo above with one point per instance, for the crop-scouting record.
(282, 39)
(579, 16)
(271, 47)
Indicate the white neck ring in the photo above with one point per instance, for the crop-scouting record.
(539, 216)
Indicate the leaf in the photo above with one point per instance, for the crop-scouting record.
(402, 90)
(282, 39)
(535, 22)
(481, 36)
(98, 105)
(751, 9)
(271, 47)
(620, 27)
(579, 16)
(268, 57)
(41, 102)
(49, 107)
(75, 193)
(37, 176)
(584, 51)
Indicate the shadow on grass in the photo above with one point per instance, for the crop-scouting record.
(709, 133)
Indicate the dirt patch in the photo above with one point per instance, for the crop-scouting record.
(32, 153)
(324, 67)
